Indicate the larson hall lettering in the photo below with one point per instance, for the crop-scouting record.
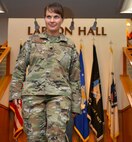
(100, 31)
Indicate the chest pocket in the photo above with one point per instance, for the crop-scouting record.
(63, 54)
(39, 51)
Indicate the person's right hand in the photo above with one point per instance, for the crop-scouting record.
(74, 115)
(16, 101)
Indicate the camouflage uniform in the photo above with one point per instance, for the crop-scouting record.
(51, 89)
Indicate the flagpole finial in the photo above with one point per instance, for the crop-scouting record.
(93, 40)
(81, 44)
(72, 25)
(94, 26)
(36, 26)
(111, 49)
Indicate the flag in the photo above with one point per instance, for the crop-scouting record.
(95, 106)
(81, 124)
(18, 120)
(112, 110)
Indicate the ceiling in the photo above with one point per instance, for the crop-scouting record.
(73, 8)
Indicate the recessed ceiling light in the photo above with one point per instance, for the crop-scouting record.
(127, 7)
(2, 8)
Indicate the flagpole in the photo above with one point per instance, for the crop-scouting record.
(112, 111)
(81, 125)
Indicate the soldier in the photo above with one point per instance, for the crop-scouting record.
(50, 91)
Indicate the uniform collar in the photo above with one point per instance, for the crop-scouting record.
(61, 37)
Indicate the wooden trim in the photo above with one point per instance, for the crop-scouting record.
(4, 107)
(127, 85)
(124, 109)
(5, 44)
(128, 53)
(5, 53)
(121, 110)
(125, 79)
(126, 125)
(4, 123)
(5, 82)
(8, 65)
(124, 64)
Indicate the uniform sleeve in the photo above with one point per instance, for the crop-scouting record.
(19, 72)
(75, 82)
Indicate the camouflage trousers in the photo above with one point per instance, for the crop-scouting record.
(45, 117)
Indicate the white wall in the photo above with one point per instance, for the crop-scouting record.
(116, 32)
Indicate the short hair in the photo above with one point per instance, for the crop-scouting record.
(56, 8)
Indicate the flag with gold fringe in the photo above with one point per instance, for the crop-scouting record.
(18, 120)
(81, 124)
(112, 109)
(95, 105)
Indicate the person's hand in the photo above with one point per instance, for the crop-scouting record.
(74, 114)
(16, 101)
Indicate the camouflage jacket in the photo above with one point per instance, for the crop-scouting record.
(53, 69)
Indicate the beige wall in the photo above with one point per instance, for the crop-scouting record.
(116, 32)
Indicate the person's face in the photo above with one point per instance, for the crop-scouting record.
(53, 22)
